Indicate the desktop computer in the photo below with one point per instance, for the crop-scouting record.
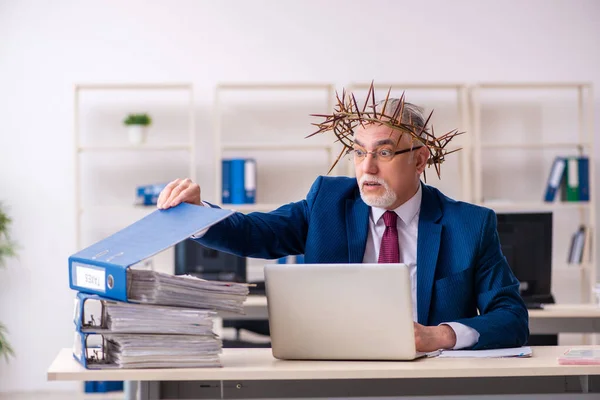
(195, 259)
(526, 242)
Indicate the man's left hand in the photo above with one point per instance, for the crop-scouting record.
(431, 338)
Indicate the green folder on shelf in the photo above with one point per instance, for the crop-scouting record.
(570, 182)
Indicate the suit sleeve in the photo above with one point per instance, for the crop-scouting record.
(276, 234)
(503, 316)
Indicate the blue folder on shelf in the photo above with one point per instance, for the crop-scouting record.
(555, 178)
(584, 178)
(102, 267)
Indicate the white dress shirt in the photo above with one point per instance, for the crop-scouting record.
(408, 231)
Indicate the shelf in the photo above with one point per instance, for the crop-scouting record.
(560, 265)
(118, 208)
(137, 86)
(127, 147)
(535, 145)
(408, 85)
(571, 268)
(532, 205)
(121, 210)
(274, 146)
(532, 85)
(271, 86)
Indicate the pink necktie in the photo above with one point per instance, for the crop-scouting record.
(389, 251)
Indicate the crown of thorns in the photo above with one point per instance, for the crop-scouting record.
(346, 116)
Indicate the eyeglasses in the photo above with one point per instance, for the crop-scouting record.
(381, 154)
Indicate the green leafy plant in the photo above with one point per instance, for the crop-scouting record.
(7, 246)
(5, 350)
(138, 119)
(7, 249)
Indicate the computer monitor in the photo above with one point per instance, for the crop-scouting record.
(195, 259)
(526, 241)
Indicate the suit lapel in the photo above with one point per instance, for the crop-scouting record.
(357, 224)
(428, 246)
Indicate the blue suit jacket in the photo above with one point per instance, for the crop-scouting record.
(460, 266)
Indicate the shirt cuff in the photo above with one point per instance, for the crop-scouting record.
(202, 232)
(465, 335)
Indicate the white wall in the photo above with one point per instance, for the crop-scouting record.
(46, 47)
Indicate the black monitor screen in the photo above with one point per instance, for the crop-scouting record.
(195, 259)
(526, 241)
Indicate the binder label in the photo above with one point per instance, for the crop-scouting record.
(90, 278)
(573, 179)
(557, 173)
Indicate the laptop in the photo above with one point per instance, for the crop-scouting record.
(340, 312)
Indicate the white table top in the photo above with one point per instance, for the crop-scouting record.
(567, 311)
(255, 301)
(259, 364)
(549, 311)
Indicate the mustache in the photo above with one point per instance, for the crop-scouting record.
(372, 178)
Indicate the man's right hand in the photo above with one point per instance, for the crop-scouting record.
(179, 191)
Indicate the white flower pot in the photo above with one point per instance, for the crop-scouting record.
(137, 134)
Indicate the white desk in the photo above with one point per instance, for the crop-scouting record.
(555, 318)
(565, 318)
(255, 307)
(251, 373)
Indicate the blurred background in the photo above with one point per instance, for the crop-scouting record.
(238, 79)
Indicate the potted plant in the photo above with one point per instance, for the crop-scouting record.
(7, 249)
(137, 125)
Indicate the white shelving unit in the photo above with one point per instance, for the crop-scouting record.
(582, 144)
(224, 145)
(464, 142)
(144, 147)
(108, 150)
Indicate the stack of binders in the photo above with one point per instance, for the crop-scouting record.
(130, 318)
(569, 176)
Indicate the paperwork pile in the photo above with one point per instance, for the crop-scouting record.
(185, 291)
(518, 352)
(147, 319)
(101, 315)
(162, 351)
(115, 334)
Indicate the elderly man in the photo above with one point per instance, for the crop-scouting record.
(464, 293)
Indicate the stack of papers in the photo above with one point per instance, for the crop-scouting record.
(495, 353)
(168, 323)
(148, 319)
(152, 287)
(114, 334)
(162, 351)
(117, 317)
(580, 357)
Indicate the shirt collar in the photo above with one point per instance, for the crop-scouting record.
(406, 211)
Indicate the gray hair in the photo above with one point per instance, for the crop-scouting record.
(411, 113)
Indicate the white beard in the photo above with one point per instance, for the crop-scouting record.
(385, 200)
